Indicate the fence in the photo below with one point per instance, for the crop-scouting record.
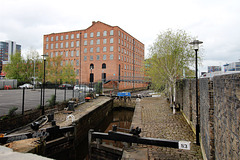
(12, 83)
(219, 106)
(28, 99)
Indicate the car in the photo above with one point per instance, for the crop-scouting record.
(67, 86)
(83, 88)
(27, 86)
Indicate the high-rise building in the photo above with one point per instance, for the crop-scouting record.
(99, 52)
(7, 49)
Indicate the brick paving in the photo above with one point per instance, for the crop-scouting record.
(155, 118)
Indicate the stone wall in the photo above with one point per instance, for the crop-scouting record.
(207, 117)
(219, 106)
(227, 116)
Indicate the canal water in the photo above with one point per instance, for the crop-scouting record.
(122, 117)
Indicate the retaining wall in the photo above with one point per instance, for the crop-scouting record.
(219, 113)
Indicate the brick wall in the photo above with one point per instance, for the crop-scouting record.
(219, 106)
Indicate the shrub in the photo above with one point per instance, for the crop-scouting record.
(12, 111)
(51, 101)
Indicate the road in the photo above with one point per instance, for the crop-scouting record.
(13, 98)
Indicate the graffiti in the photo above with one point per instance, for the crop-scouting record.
(40, 134)
(16, 138)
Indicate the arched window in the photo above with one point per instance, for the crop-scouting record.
(103, 66)
(91, 66)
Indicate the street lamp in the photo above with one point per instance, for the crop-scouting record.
(44, 66)
(195, 44)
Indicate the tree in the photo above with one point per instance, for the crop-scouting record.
(170, 55)
(56, 72)
(16, 69)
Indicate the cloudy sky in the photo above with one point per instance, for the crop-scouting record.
(215, 22)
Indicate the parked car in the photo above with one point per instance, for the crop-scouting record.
(27, 86)
(83, 88)
(67, 86)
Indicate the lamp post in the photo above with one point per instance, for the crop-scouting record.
(44, 68)
(195, 44)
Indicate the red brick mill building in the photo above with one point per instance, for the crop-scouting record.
(100, 52)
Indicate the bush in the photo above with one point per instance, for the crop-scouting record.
(51, 101)
(12, 111)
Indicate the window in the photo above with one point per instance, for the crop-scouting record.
(104, 57)
(78, 35)
(98, 34)
(104, 33)
(111, 56)
(51, 38)
(72, 44)
(66, 45)
(85, 42)
(85, 50)
(77, 53)
(119, 57)
(66, 62)
(66, 54)
(119, 41)
(119, 49)
(77, 62)
(111, 48)
(51, 46)
(119, 33)
(111, 33)
(72, 36)
(104, 66)
(46, 46)
(61, 45)
(61, 53)
(91, 50)
(72, 62)
(104, 49)
(111, 40)
(85, 58)
(98, 49)
(77, 44)
(47, 39)
(56, 38)
(91, 42)
(66, 37)
(85, 35)
(56, 54)
(91, 58)
(72, 53)
(104, 41)
(98, 57)
(91, 66)
(61, 63)
(98, 41)
(91, 34)
(51, 54)
(77, 73)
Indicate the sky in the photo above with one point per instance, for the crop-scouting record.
(215, 22)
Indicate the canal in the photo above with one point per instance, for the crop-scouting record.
(122, 117)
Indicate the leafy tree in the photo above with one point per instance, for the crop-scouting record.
(23, 69)
(16, 69)
(170, 55)
(57, 72)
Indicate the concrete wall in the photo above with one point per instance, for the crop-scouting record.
(219, 109)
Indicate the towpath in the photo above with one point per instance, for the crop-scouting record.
(154, 116)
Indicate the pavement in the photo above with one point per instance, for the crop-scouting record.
(156, 119)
